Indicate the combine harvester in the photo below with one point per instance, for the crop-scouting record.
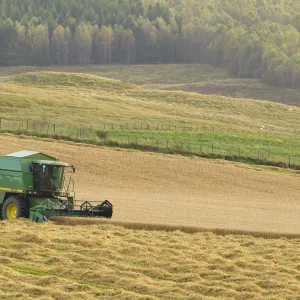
(37, 186)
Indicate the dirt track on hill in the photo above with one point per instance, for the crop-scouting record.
(156, 188)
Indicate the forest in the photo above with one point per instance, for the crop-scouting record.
(249, 38)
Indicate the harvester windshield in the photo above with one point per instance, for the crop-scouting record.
(47, 177)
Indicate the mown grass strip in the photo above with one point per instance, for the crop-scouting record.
(165, 150)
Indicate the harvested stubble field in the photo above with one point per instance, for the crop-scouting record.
(48, 261)
(175, 190)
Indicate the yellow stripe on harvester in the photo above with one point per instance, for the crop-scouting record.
(11, 190)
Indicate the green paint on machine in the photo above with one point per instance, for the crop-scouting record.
(36, 185)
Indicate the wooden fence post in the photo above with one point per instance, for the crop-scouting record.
(0, 122)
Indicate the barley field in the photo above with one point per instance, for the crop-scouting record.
(176, 190)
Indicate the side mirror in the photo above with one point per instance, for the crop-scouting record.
(31, 168)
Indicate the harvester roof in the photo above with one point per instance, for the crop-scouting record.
(15, 161)
(24, 153)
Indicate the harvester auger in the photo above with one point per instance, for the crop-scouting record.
(37, 186)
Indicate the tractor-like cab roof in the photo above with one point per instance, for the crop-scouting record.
(20, 161)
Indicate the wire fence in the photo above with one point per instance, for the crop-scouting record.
(42, 126)
(122, 135)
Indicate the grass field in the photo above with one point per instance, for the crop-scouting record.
(92, 100)
(109, 262)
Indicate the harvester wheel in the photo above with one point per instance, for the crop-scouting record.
(14, 207)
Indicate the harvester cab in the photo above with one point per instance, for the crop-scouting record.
(37, 186)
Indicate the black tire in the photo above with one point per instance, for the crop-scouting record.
(21, 207)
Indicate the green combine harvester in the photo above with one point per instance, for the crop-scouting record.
(37, 186)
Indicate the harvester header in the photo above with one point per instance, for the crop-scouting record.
(37, 186)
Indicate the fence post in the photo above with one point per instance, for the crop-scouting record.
(201, 148)
(54, 127)
(0, 122)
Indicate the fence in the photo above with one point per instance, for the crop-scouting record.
(135, 136)
(41, 126)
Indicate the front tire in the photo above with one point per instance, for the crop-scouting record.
(14, 207)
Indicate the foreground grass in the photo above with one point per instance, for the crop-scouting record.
(47, 261)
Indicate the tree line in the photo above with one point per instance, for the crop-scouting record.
(249, 38)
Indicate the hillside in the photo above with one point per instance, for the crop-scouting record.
(175, 190)
(92, 100)
(199, 78)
